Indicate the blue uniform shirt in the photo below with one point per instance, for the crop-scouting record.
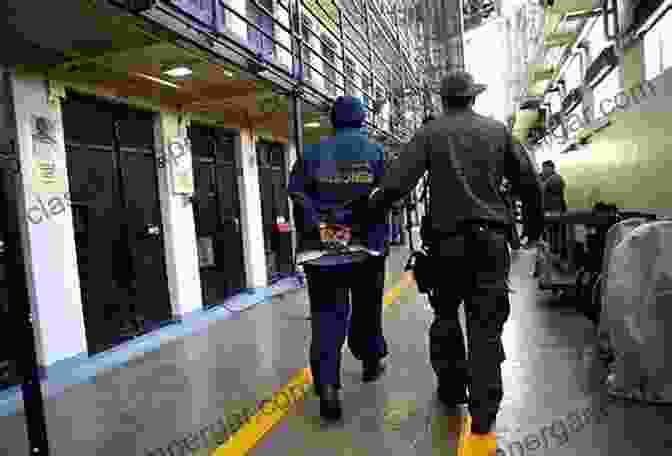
(342, 168)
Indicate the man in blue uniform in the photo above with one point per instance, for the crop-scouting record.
(467, 229)
(337, 171)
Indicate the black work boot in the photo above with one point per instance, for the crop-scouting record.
(330, 403)
(483, 422)
(373, 370)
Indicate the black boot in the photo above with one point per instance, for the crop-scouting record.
(483, 422)
(373, 370)
(452, 396)
(330, 403)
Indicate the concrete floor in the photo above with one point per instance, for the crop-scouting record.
(551, 374)
(554, 402)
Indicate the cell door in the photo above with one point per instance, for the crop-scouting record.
(217, 214)
(114, 197)
(8, 167)
(275, 207)
(142, 218)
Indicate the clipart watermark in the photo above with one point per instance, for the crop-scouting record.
(556, 434)
(224, 428)
(621, 101)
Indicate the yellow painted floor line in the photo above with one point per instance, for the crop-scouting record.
(247, 437)
(260, 424)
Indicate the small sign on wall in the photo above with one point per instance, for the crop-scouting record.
(48, 173)
(179, 156)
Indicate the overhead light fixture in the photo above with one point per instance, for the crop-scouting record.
(157, 80)
(178, 72)
(313, 125)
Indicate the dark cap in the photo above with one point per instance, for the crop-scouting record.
(548, 163)
(460, 84)
(348, 112)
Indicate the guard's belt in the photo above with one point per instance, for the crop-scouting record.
(467, 227)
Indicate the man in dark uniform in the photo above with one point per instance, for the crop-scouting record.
(330, 175)
(467, 156)
(553, 186)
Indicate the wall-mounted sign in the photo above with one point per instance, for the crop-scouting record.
(48, 173)
(179, 156)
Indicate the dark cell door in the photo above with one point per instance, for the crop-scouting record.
(275, 208)
(117, 220)
(8, 166)
(217, 214)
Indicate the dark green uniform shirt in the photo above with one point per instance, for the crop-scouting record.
(467, 155)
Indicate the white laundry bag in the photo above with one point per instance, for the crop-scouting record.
(614, 236)
(638, 301)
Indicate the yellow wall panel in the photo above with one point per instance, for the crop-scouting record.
(628, 164)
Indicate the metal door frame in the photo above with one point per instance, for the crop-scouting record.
(213, 161)
(119, 162)
(282, 167)
(20, 313)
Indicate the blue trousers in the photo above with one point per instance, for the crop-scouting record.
(331, 292)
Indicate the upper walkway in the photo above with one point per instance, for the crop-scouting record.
(189, 394)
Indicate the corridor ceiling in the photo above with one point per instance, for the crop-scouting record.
(104, 48)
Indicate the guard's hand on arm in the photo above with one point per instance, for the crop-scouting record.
(403, 173)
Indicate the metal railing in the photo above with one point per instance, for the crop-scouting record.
(271, 36)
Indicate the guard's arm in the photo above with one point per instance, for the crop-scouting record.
(300, 194)
(402, 174)
(520, 171)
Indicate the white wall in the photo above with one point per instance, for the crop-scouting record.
(49, 248)
(179, 229)
(250, 210)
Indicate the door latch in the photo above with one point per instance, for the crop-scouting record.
(151, 231)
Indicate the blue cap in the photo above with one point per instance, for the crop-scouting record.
(348, 112)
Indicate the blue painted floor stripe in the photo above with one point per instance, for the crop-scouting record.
(81, 368)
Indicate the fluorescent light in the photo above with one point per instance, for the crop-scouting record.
(157, 80)
(178, 72)
(313, 125)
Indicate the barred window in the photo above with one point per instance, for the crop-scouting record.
(349, 71)
(306, 27)
(329, 55)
